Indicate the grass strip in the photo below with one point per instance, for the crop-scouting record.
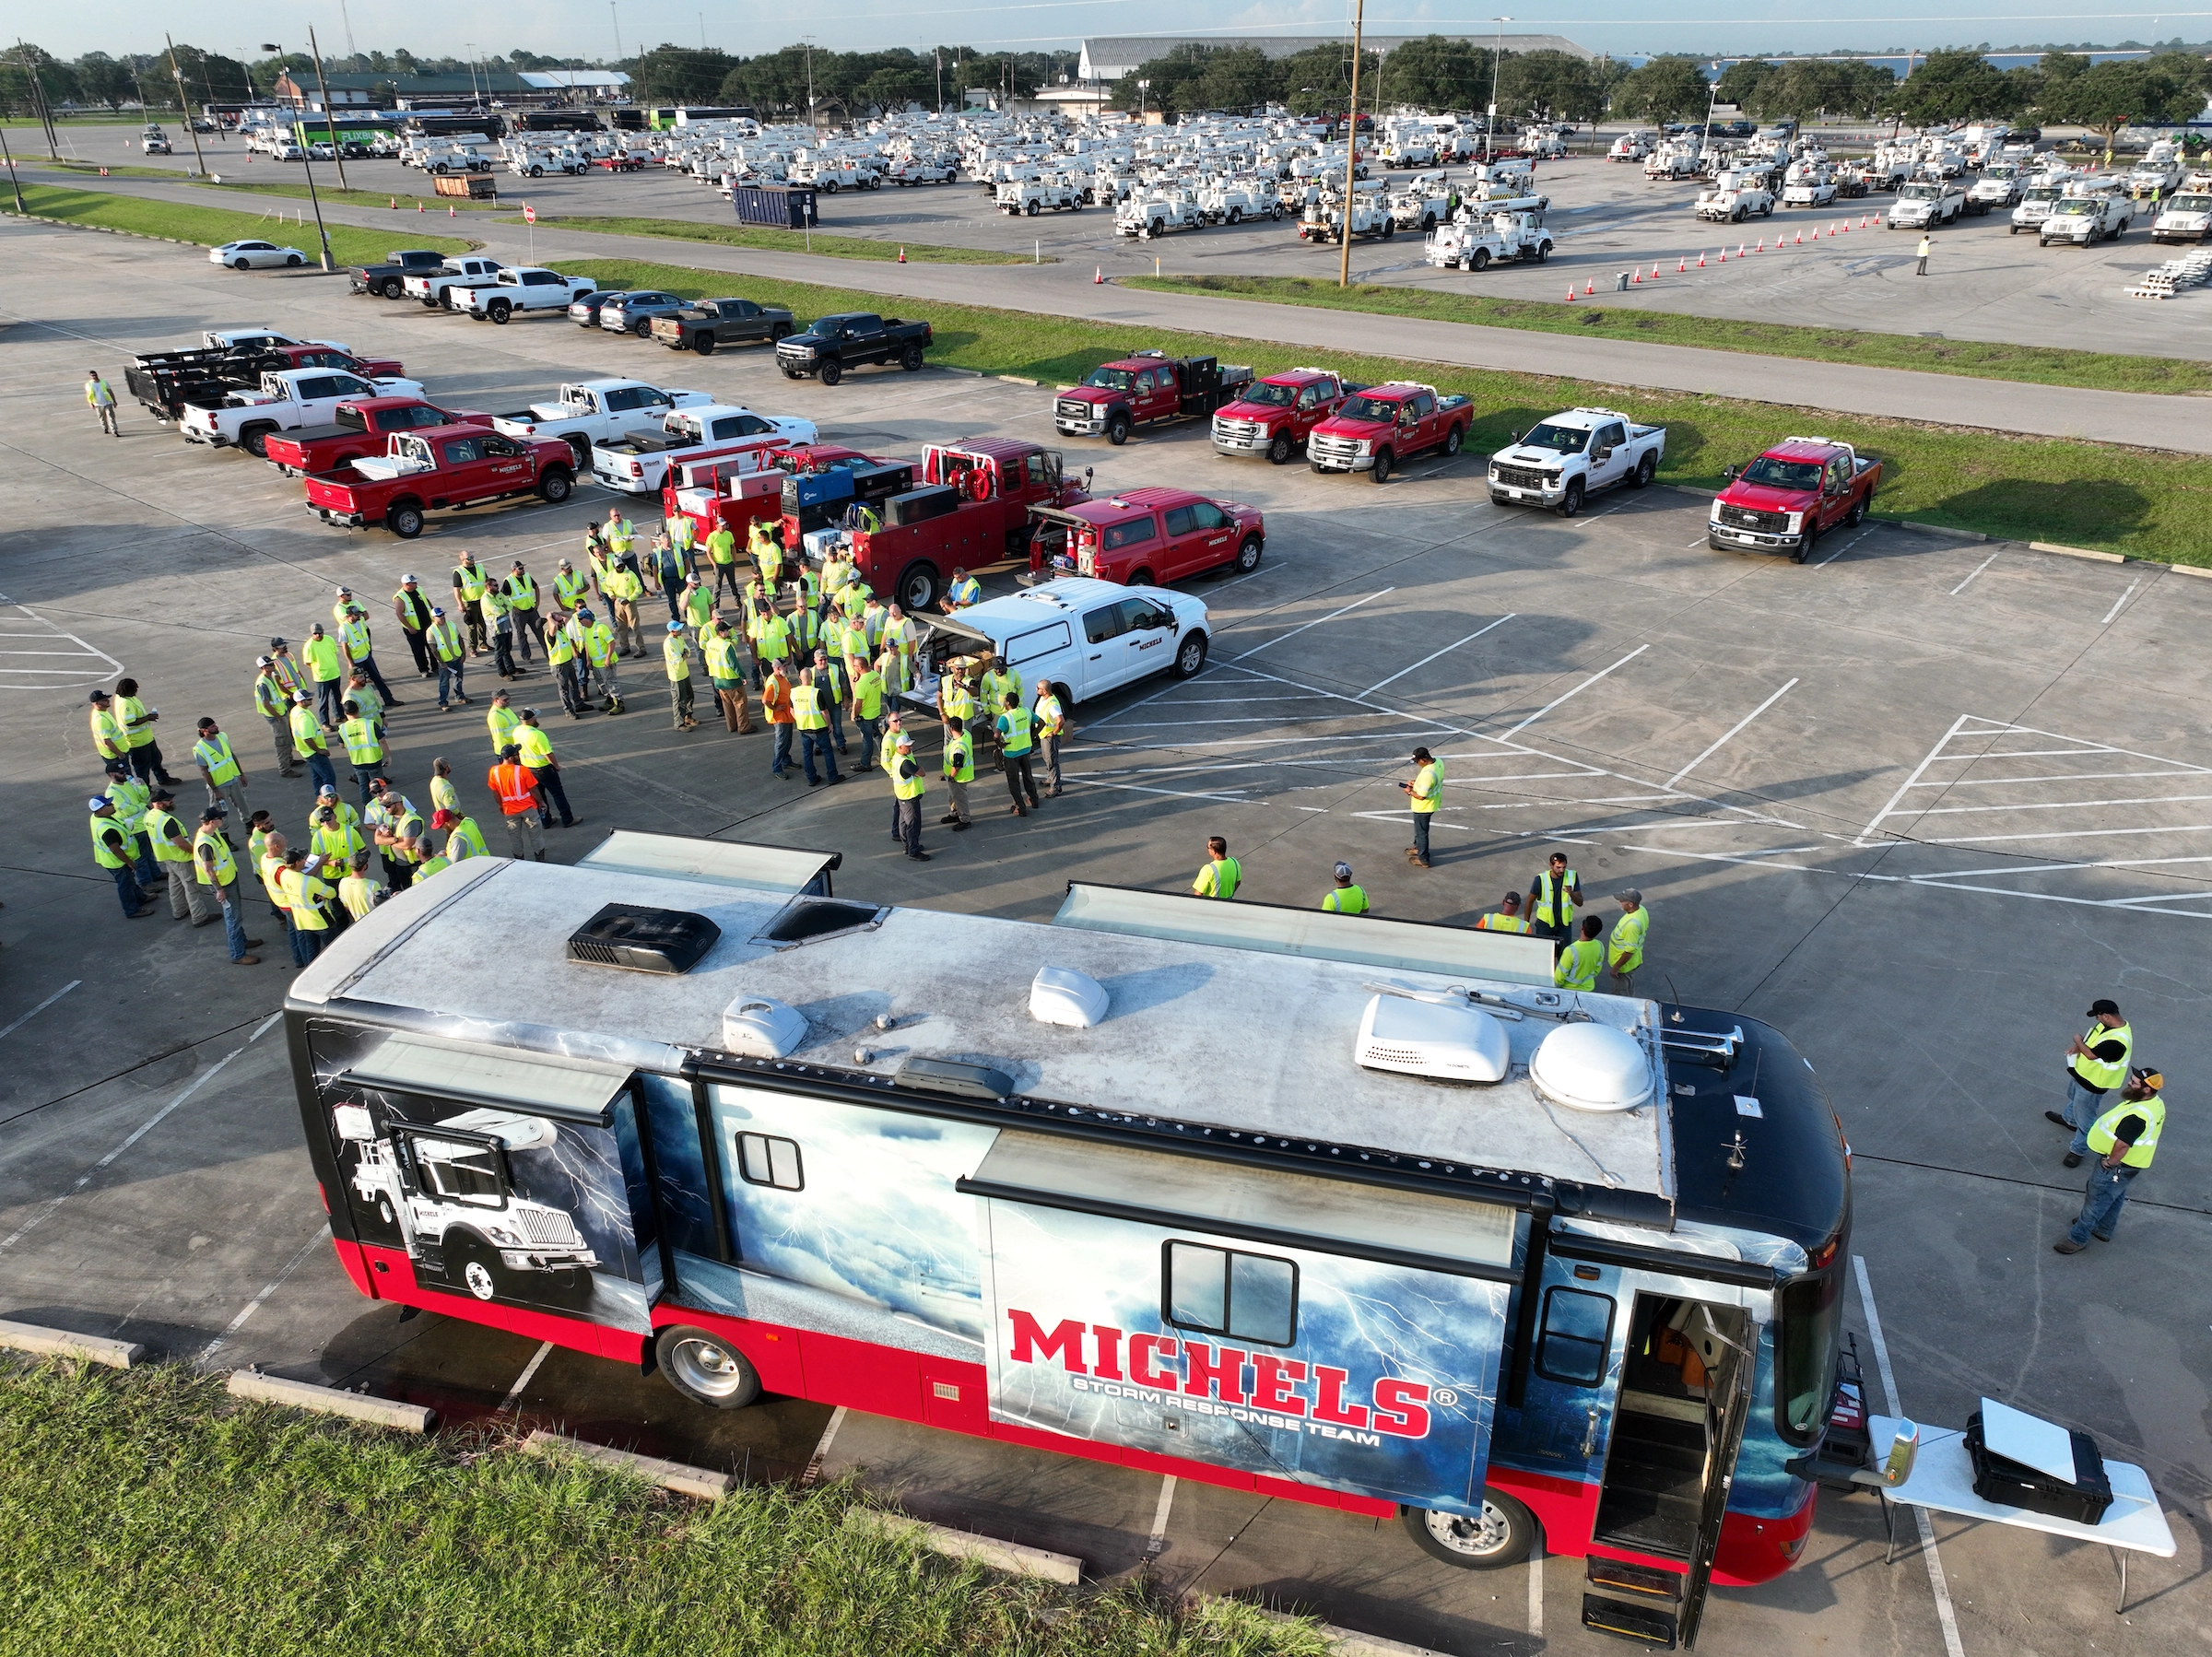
(2037, 365)
(147, 1511)
(380, 199)
(783, 241)
(2145, 503)
(211, 226)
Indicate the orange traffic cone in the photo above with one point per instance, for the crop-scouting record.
(1099, 276)
(1570, 293)
(1654, 270)
(902, 256)
(418, 207)
(395, 204)
(1760, 248)
(1682, 264)
(1638, 277)
(1723, 257)
(449, 213)
(1702, 258)
(1589, 286)
(1739, 250)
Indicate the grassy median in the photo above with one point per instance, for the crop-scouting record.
(2147, 503)
(146, 1511)
(2040, 365)
(783, 241)
(211, 226)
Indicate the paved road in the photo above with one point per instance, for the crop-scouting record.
(2158, 422)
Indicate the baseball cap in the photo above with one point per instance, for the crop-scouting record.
(160, 794)
(405, 579)
(510, 751)
(583, 614)
(265, 661)
(99, 802)
(904, 741)
(1629, 895)
(100, 695)
(279, 644)
(2152, 1079)
(301, 698)
(344, 592)
(529, 712)
(437, 610)
(1344, 871)
(214, 813)
(2103, 1006)
(443, 819)
(675, 627)
(327, 789)
(1422, 754)
(116, 768)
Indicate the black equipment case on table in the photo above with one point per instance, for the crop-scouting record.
(2015, 1485)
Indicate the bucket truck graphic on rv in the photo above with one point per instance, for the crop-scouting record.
(449, 1191)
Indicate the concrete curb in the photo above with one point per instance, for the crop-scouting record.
(61, 1343)
(1010, 1557)
(2198, 570)
(2084, 552)
(669, 1475)
(1019, 379)
(1930, 529)
(330, 1400)
(1349, 1642)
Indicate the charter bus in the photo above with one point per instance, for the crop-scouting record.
(1349, 1211)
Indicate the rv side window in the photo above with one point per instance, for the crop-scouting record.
(1577, 1333)
(1225, 1292)
(763, 1159)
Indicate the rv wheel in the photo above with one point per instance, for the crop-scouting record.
(1502, 1536)
(706, 1369)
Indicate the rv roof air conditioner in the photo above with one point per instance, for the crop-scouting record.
(756, 1027)
(1444, 1043)
(643, 939)
(1592, 1067)
(1062, 995)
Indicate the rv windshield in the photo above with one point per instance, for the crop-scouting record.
(1806, 1342)
(2189, 204)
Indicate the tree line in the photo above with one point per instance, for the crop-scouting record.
(1432, 73)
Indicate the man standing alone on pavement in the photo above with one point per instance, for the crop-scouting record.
(1220, 875)
(2123, 1140)
(102, 398)
(1552, 899)
(2096, 1063)
(1927, 243)
(1427, 792)
(1624, 949)
(517, 789)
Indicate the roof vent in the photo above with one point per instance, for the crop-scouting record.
(951, 1075)
(643, 940)
(809, 920)
(1426, 1037)
(757, 1028)
(1592, 1067)
(1062, 996)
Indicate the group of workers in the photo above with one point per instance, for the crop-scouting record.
(2115, 1111)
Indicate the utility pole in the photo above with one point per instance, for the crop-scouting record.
(185, 108)
(330, 122)
(345, 17)
(1351, 150)
(13, 184)
(1497, 60)
(38, 98)
(616, 15)
(307, 163)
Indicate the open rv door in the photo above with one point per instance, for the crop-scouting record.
(1728, 1406)
(1336, 1334)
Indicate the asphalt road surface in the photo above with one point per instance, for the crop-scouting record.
(1917, 804)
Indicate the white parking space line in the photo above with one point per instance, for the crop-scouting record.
(1578, 690)
(529, 1372)
(2121, 601)
(1937, 1582)
(1433, 654)
(1331, 616)
(25, 668)
(1535, 1590)
(46, 1210)
(24, 1019)
(258, 1302)
(1733, 730)
(1847, 546)
(1978, 569)
(1158, 1543)
(260, 1027)
(821, 1450)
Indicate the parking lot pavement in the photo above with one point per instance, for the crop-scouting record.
(1832, 782)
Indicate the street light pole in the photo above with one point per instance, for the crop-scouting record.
(330, 122)
(1497, 61)
(1351, 150)
(185, 108)
(307, 163)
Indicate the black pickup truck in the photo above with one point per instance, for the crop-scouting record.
(705, 324)
(386, 278)
(850, 340)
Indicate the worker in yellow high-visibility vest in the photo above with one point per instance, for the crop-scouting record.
(1577, 966)
(1624, 949)
(1425, 792)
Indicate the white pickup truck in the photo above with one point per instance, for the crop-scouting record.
(1084, 635)
(1736, 196)
(1563, 462)
(286, 401)
(1154, 214)
(2087, 219)
(639, 464)
(1029, 197)
(598, 411)
(1927, 203)
(527, 288)
(435, 289)
(2184, 217)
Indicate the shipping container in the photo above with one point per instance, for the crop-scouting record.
(775, 206)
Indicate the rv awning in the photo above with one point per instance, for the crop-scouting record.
(1408, 945)
(1295, 1210)
(569, 1088)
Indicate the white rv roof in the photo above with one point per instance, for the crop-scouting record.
(1252, 1042)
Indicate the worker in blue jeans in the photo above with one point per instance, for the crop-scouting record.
(2123, 1140)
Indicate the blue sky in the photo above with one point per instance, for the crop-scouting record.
(587, 27)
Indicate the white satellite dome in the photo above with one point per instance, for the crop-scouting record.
(1592, 1067)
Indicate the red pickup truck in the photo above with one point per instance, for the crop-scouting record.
(1144, 537)
(360, 428)
(1373, 430)
(971, 508)
(1138, 390)
(437, 469)
(1784, 500)
(1274, 417)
